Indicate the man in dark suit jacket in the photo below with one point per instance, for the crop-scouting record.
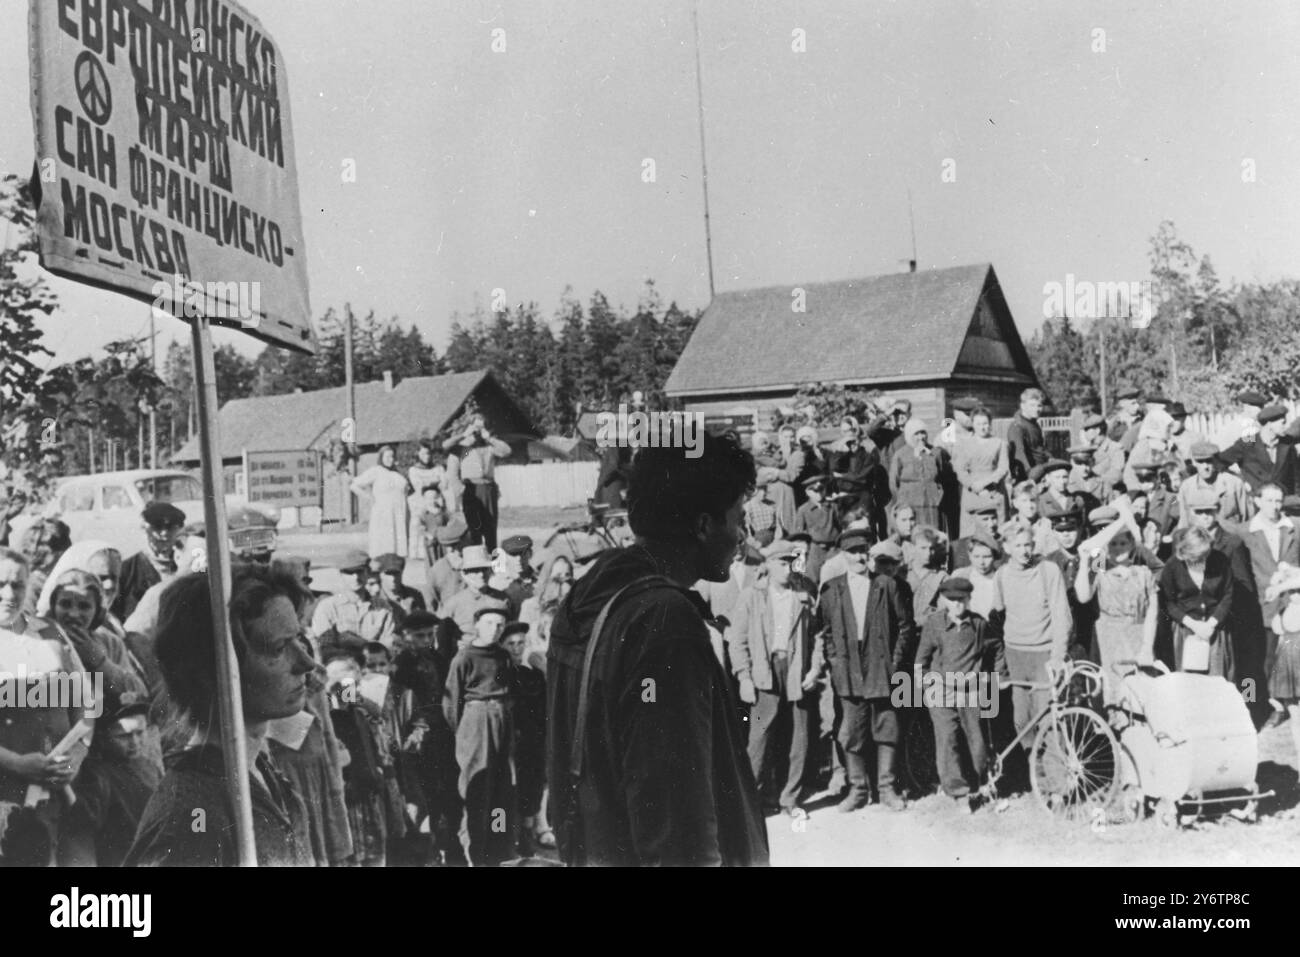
(1266, 458)
(865, 617)
(1271, 538)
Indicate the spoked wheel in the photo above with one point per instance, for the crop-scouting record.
(1075, 764)
(919, 764)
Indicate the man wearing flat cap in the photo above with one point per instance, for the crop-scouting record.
(1107, 455)
(1267, 458)
(985, 522)
(348, 615)
(444, 574)
(513, 572)
(163, 522)
(820, 522)
(866, 621)
(1235, 506)
(1083, 478)
(777, 660)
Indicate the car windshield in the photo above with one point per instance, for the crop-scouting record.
(170, 488)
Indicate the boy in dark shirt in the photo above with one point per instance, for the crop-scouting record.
(476, 703)
(528, 715)
(965, 652)
(115, 782)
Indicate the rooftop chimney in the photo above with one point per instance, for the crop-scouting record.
(388, 380)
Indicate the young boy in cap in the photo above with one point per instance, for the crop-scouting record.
(1235, 506)
(778, 663)
(115, 783)
(820, 522)
(476, 703)
(966, 654)
(985, 527)
(528, 714)
(162, 525)
(1162, 504)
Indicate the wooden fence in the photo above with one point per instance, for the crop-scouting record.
(547, 484)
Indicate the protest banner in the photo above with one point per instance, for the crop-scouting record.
(165, 163)
(165, 170)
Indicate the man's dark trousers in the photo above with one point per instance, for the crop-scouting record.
(479, 505)
(768, 719)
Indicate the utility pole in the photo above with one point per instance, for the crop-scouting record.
(351, 412)
(153, 414)
(704, 164)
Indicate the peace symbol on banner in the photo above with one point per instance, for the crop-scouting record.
(92, 88)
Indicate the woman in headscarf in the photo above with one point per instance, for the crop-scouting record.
(918, 473)
(42, 653)
(100, 640)
(388, 489)
(421, 475)
(539, 611)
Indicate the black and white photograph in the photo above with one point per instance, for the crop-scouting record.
(524, 433)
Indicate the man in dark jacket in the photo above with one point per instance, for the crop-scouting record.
(1025, 446)
(162, 525)
(662, 775)
(866, 619)
(1266, 458)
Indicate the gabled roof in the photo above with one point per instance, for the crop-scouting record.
(902, 326)
(415, 408)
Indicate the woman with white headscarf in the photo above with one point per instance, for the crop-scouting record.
(918, 473)
(101, 643)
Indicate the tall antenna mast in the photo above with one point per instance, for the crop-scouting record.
(704, 165)
(912, 219)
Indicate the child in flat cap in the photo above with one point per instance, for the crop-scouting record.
(963, 656)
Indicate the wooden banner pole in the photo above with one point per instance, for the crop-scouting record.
(229, 696)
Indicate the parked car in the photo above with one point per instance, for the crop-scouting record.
(108, 506)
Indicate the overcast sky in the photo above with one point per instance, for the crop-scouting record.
(522, 169)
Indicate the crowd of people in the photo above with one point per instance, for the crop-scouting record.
(386, 724)
(884, 552)
(759, 621)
